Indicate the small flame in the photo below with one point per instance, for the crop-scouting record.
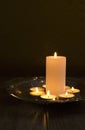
(66, 93)
(48, 93)
(72, 88)
(55, 54)
(37, 90)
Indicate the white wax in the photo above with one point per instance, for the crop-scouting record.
(55, 74)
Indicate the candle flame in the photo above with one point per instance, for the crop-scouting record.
(72, 88)
(37, 90)
(66, 93)
(55, 54)
(48, 93)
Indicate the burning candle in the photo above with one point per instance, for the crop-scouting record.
(36, 92)
(48, 96)
(66, 95)
(73, 90)
(55, 74)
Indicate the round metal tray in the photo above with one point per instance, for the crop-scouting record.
(20, 89)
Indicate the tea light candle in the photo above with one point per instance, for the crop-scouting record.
(36, 92)
(55, 74)
(48, 96)
(66, 95)
(73, 90)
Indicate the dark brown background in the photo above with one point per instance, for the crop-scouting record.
(30, 30)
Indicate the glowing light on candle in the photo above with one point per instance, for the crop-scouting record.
(72, 89)
(48, 93)
(37, 90)
(66, 94)
(55, 54)
(48, 96)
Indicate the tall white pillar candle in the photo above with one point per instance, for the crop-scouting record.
(55, 74)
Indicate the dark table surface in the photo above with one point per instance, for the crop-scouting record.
(20, 115)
